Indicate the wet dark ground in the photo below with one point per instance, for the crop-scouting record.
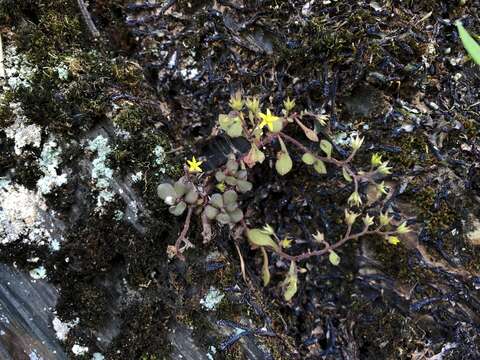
(393, 71)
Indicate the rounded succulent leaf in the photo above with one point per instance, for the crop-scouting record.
(219, 176)
(191, 197)
(230, 197)
(211, 212)
(236, 215)
(223, 218)
(231, 180)
(258, 237)
(242, 175)
(244, 186)
(231, 207)
(180, 188)
(178, 209)
(284, 163)
(167, 193)
(319, 167)
(308, 159)
(232, 166)
(216, 200)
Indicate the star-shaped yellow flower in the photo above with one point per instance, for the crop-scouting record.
(194, 165)
(268, 119)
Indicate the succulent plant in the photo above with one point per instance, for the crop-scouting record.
(178, 195)
(234, 176)
(224, 208)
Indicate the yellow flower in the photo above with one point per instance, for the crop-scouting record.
(286, 243)
(268, 119)
(393, 240)
(194, 165)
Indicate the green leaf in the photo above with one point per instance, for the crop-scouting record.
(230, 197)
(244, 186)
(309, 133)
(265, 270)
(191, 197)
(210, 212)
(178, 209)
(235, 130)
(326, 147)
(167, 192)
(236, 215)
(258, 237)
(223, 218)
(319, 167)
(346, 176)
(217, 200)
(277, 126)
(231, 125)
(469, 43)
(308, 158)
(284, 163)
(334, 258)
(291, 282)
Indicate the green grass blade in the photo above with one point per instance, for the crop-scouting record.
(469, 43)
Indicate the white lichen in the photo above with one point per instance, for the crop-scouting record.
(18, 70)
(20, 215)
(63, 328)
(49, 162)
(98, 356)
(212, 299)
(62, 72)
(21, 132)
(38, 273)
(137, 176)
(160, 157)
(102, 175)
(79, 350)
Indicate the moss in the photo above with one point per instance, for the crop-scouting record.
(414, 151)
(130, 118)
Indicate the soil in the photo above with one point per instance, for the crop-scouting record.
(158, 76)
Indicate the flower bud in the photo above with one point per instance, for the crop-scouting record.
(357, 142)
(368, 220)
(376, 159)
(355, 199)
(350, 217)
(403, 228)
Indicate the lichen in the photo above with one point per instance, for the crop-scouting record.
(212, 299)
(21, 132)
(49, 162)
(20, 215)
(101, 174)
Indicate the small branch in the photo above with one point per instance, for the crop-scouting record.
(88, 19)
(183, 237)
(347, 237)
(306, 150)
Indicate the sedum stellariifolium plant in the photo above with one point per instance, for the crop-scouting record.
(214, 195)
